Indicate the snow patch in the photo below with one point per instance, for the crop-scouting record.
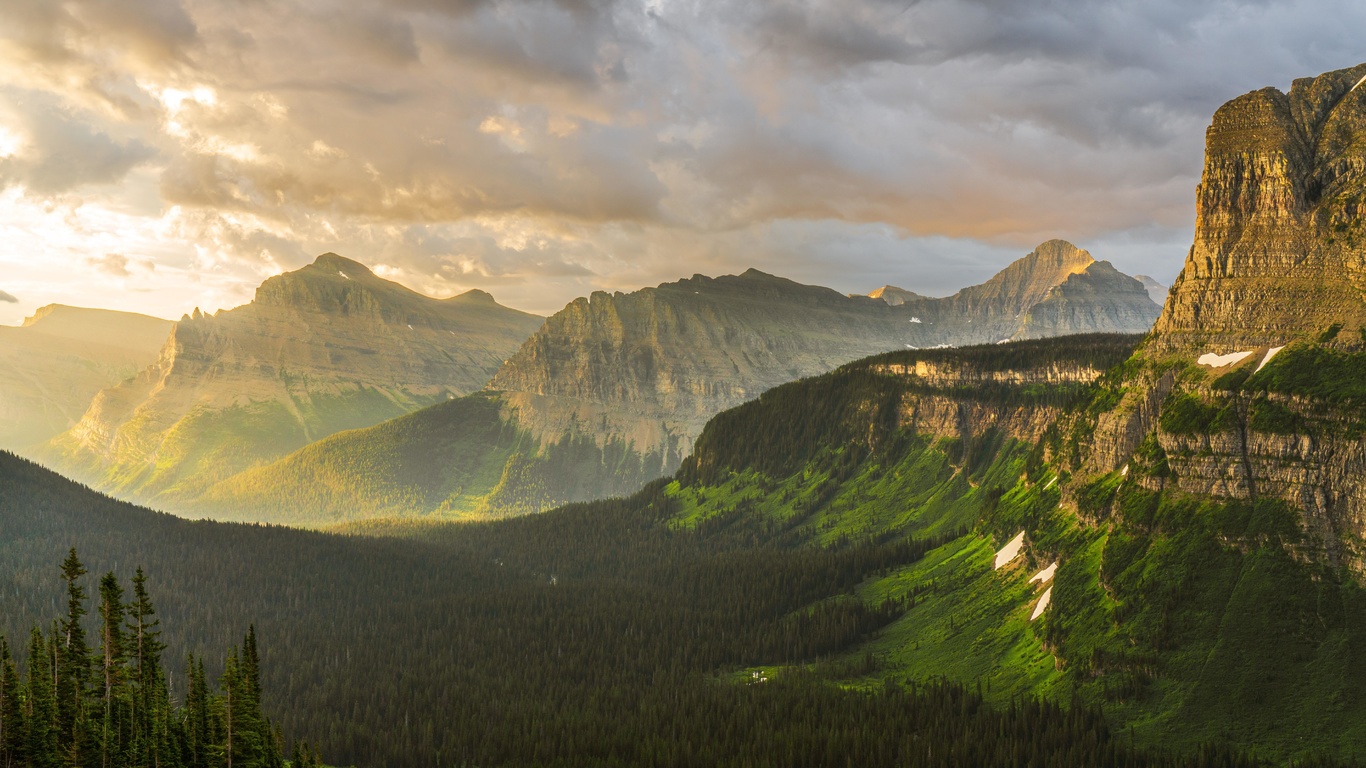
(1270, 353)
(1359, 82)
(1124, 472)
(410, 326)
(1010, 551)
(1003, 341)
(343, 274)
(1219, 361)
(915, 319)
(1046, 575)
(1043, 603)
(1051, 483)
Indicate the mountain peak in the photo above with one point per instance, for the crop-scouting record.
(894, 296)
(332, 262)
(1278, 225)
(475, 295)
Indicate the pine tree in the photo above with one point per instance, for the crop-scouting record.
(151, 700)
(73, 668)
(12, 726)
(40, 708)
(197, 733)
(112, 698)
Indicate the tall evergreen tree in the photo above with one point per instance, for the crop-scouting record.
(12, 726)
(73, 668)
(113, 693)
(40, 707)
(151, 700)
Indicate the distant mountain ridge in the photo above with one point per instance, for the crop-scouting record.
(325, 348)
(612, 390)
(53, 364)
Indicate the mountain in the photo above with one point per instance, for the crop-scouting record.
(612, 390)
(53, 364)
(1249, 387)
(1280, 245)
(1156, 291)
(326, 348)
(894, 296)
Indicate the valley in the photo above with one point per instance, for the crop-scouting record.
(1061, 517)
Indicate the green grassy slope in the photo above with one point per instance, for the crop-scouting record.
(458, 459)
(1189, 619)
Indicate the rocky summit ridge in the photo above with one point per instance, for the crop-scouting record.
(1280, 244)
(1250, 386)
(654, 365)
(328, 347)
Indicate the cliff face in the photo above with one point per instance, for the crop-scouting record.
(1280, 246)
(1099, 299)
(326, 348)
(655, 365)
(52, 365)
(1248, 387)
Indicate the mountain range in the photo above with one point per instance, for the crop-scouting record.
(1125, 541)
(327, 348)
(612, 390)
(59, 359)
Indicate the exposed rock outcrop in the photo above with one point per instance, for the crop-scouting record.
(1280, 246)
(1279, 258)
(653, 366)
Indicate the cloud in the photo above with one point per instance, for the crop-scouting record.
(113, 264)
(546, 147)
(62, 151)
(8, 298)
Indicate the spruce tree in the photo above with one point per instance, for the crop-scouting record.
(73, 668)
(113, 695)
(12, 726)
(151, 699)
(40, 708)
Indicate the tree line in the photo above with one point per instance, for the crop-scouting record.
(108, 703)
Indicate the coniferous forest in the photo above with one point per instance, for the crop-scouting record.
(592, 635)
(106, 701)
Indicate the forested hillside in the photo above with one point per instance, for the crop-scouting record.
(596, 634)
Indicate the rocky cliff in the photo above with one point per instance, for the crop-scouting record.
(52, 365)
(612, 391)
(654, 365)
(326, 348)
(1280, 247)
(1249, 386)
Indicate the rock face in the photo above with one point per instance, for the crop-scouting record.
(1279, 261)
(52, 365)
(613, 390)
(1280, 246)
(326, 348)
(1056, 290)
(1099, 298)
(655, 365)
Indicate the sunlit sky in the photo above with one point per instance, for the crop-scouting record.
(158, 155)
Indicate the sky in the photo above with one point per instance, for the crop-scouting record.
(158, 155)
